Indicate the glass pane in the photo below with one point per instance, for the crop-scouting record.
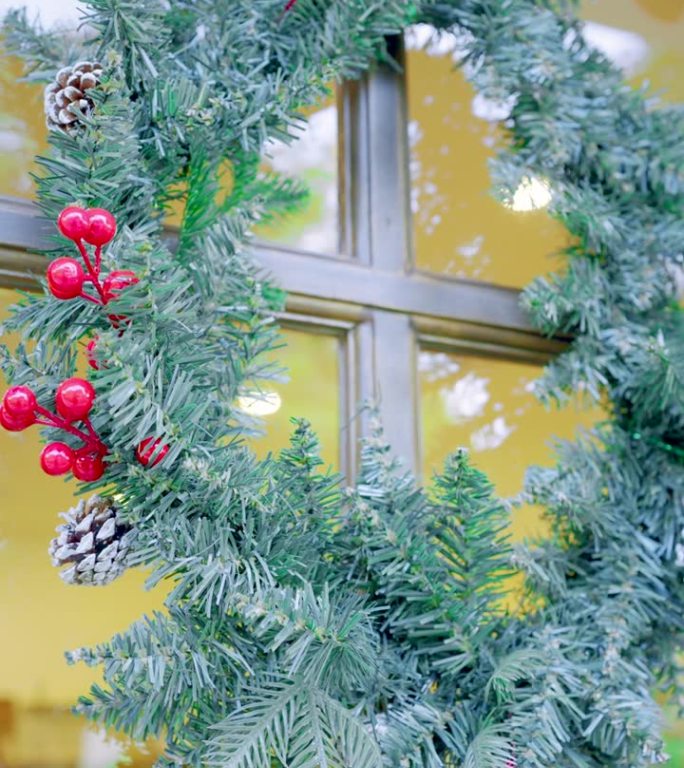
(43, 617)
(459, 229)
(643, 37)
(23, 134)
(313, 159)
(22, 130)
(312, 391)
(314, 223)
(487, 406)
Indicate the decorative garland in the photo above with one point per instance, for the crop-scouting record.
(307, 626)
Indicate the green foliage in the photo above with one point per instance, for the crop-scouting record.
(298, 725)
(310, 625)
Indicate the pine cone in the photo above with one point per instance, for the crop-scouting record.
(94, 540)
(71, 86)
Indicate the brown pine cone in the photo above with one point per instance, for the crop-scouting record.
(93, 542)
(68, 95)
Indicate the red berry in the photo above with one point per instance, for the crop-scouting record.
(73, 223)
(14, 423)
(148, 447)
(56, 458)
(101, 226)
(117, 281)
(65, 278)
(20, 402)
(88, 466)
(90, 354)
(74, 398)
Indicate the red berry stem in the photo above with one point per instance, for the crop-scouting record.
(84, 295)
(86, 257)
(57, 422)
(74, 399)
(94, 272)
(91, 430)
(44, 423)
(66, 277)
(47, 414)
(286, 9)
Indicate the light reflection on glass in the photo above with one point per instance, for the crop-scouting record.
(312, 158)
(260, 403)
(644, 38)
(627, 50)
(52, 15)
(532, 194)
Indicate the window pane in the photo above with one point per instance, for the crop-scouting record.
(23, 134)
(314, 223)
(644, 38)
(312, 391)
(22, 130)
(313, 159)
(47, 617)
(459, 229)
(487, 406)
(43, 617)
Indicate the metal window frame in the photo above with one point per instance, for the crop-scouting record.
(371, 297)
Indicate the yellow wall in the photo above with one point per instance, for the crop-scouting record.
(42, 617)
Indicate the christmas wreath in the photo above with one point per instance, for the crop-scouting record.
(311, 625)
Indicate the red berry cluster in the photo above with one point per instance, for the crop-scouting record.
(74, 400)
(67, 278)
(75, 397)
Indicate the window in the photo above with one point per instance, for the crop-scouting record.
(403, 278)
